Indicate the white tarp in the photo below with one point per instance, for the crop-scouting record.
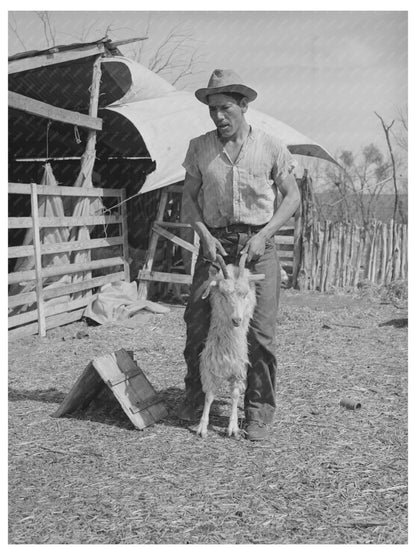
(169, 122)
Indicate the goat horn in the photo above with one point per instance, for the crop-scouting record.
(242, 263)
(221, 262)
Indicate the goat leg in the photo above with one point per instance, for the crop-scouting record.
(203, 424)
(233, 424)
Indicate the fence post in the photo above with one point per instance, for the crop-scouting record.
(389, 265)
(324, 265)
(383, 253)
(308, 218)
(297, 245)
(38, 260)
(403, 251)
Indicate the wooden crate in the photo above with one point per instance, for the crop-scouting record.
(126, 382)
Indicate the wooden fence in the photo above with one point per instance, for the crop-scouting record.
(341, 255)
(46, 313)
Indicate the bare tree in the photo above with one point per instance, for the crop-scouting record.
(49, 30)
(386, 129)
(357, 185)
(175, 57)
(14, 27)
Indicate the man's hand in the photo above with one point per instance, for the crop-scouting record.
(211, 246)
(255, 247)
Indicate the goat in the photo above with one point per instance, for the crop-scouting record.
(225, 355)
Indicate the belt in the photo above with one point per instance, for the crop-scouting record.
(236, 228)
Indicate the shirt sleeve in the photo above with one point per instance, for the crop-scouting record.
(284, 163)
(190, 163)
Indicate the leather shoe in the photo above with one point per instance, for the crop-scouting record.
(257, 431)
(189, 411)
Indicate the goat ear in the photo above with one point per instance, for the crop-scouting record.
(208, 289)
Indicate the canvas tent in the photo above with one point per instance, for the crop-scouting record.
(145, 119)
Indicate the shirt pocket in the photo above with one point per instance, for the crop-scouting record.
(261, 171)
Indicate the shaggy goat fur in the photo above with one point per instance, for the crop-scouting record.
(225, 355)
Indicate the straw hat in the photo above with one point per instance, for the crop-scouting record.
(225, 81)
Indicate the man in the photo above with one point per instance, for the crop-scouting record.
(232, 174)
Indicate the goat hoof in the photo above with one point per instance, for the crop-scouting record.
(201, 432)
(233, 432)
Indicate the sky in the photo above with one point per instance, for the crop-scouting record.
(322, 72)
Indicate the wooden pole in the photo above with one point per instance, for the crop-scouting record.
(374, 273)
(143, 288)
(338, 255)
(297, 245)
(383, 253)
(324, 255)
(351, 260)
(389, 265)
(404, 252)
(361, 243)
(38, 261)
(396, 252)
(124, 233)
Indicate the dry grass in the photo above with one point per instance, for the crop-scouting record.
(328, 475)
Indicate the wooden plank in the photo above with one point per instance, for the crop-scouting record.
(285, 240)
(87, 386)
(137, 389)
(52, 310)
(67, 246)
(24, 318)
(43, 110)
(125, 236)
(52, 271)
(23, 331)
(179, 225)
(62, 191)
(20, 252)
(38, 262)
(166, 277)
(63, 319)
(54, 57)
(174, 238)
(92, 283)
(68, 306)
(26, 222)
(285, 255)
(51, 322)
(21, 299)
(53, 292)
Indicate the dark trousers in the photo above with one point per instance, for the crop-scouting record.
(259, 401)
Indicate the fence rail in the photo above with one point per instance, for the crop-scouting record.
(36, 307)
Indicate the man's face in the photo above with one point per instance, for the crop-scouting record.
(226, 113)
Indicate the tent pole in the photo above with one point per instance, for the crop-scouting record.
(93, 109)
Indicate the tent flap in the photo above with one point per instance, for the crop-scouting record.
(169, 122)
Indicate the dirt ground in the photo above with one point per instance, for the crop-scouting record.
(327, 474)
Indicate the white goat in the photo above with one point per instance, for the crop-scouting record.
(225, 355)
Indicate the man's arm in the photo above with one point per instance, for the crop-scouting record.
(193, 215)
(291, 199)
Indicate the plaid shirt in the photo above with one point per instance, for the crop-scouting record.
(240, 192)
